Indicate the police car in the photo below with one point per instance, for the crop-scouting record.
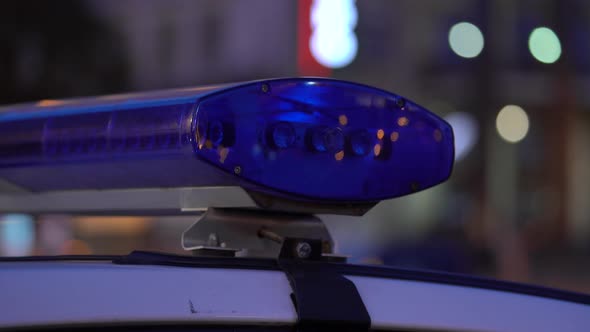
(258, 162)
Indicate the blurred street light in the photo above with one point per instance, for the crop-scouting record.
(465, 130)
(512, 123)
(17, 235)
(544, 45)
(466, 40)
(333, 42)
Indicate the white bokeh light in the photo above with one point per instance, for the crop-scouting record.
(333, 42)
(465, 130)
(466, 40)
(512, 123)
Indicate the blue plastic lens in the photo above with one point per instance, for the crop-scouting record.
(315, 139)
(329, 140)
(112, 142)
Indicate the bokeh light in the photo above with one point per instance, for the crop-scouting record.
(394, 136)
(17, 235)
(380, 134)
(544, 45)
(465, 130)
(333, 42)
(512, 123)
(377, 150)
(343, 120)
(466, 40)
(403, 121)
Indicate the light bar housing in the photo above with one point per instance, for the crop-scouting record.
(313, 140)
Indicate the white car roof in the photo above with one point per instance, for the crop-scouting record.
(67, 293)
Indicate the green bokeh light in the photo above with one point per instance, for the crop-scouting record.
(544, 45)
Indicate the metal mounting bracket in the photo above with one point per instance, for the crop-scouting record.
(238, 232)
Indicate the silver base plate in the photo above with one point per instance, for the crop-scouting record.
(238, 229)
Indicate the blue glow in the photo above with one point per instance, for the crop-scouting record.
(297, 116)
(303, 138)
(360, 143)
(282, 135)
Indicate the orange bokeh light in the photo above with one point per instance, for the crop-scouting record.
(394, 136)
(377, 149)
(380, 134)
(403, 121)
(343, 120)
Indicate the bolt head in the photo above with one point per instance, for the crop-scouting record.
(401, 103)
(303, 250)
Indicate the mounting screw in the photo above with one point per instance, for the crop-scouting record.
(400, 102)
(213, 240)
(237, 170)
(303, 250)
(265, 88)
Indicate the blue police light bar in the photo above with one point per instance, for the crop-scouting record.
(305, 139)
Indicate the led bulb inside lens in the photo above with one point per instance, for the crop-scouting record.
(360, 143)
(327, 139)
(282, 135)
(216, 132)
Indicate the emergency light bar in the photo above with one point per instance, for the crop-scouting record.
(305, 139)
